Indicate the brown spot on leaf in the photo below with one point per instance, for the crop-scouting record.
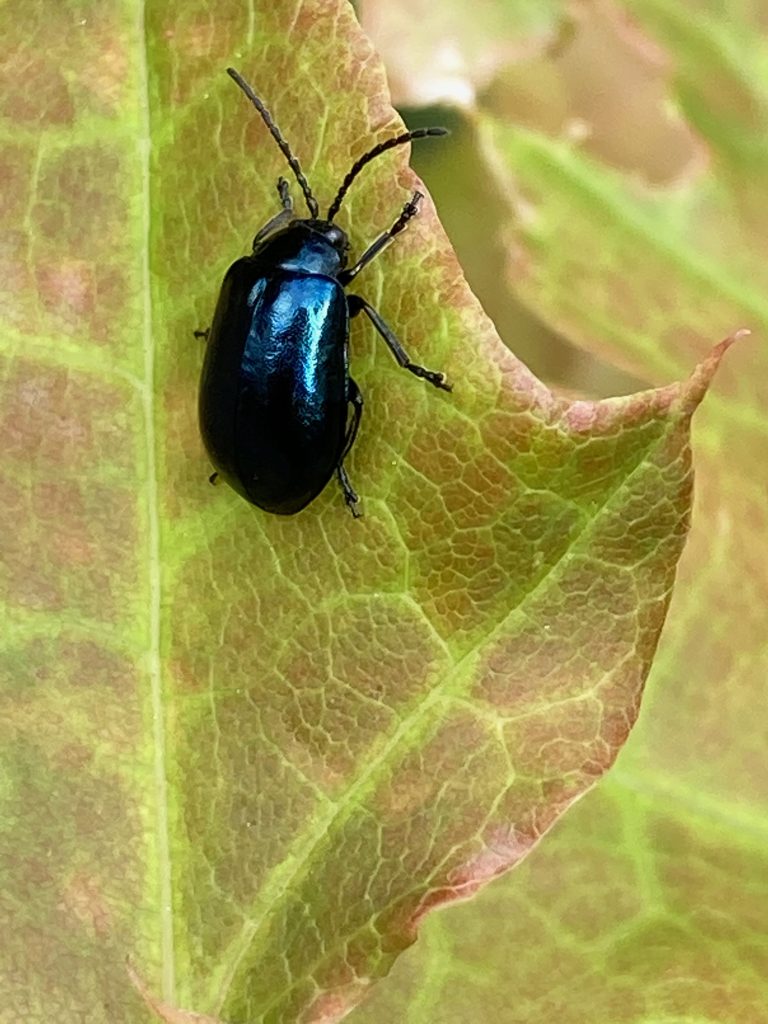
(65, 423)
(84, 900)
(164, 1011)
(67, 289)
(74, 547)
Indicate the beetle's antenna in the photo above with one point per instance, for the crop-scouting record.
(266, 117)
(358, 165)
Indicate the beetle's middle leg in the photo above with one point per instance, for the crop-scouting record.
(357, 304)
(355, 399)
(410, 209)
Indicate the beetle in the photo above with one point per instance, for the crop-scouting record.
(278, 409)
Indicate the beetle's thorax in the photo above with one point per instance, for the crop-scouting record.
(311, 246)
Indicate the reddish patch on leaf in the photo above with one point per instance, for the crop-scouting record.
(75, 548)
(84, 900)
(165, 1011)
(67, 289)
(330, 1007)
(65, 423)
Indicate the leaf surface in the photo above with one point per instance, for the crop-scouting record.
(251, 752)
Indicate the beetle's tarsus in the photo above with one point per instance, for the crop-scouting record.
(213, 478)
(434, 377)
(351, 498)
(284, 193)
(410, 209)
(203, 334)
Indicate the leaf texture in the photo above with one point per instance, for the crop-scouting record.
(251, 752)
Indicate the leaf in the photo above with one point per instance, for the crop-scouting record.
(645, 902)
(250, 752)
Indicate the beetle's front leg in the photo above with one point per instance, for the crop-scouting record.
(281, 219)
(410, 209)
(285, 195)
(357, 304)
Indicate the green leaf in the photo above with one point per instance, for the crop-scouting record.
(250, 753)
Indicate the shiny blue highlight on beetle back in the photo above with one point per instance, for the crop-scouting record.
(279, 343)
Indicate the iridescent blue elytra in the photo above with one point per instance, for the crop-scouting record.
(274, 395)
(275, 391)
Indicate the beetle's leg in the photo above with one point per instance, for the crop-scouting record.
(284, 218)
(285, 195)
(203, 334)
(357, 304)
(213, 478)
(350, 494)
(356, 400)
(410, 209)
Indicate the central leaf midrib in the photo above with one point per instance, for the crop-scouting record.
(153, 548)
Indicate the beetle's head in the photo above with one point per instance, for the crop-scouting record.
(311, 246)
(334, 236)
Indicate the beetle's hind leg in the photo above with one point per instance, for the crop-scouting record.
(357, 304)
(355, 399)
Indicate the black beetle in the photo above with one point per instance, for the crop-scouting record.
(275, 389)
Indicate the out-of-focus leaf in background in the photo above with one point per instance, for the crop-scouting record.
(249, 752)
(630, 166)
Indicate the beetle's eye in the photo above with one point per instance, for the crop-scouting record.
(337, 238)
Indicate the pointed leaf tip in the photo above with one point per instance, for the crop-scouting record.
(698, 383)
